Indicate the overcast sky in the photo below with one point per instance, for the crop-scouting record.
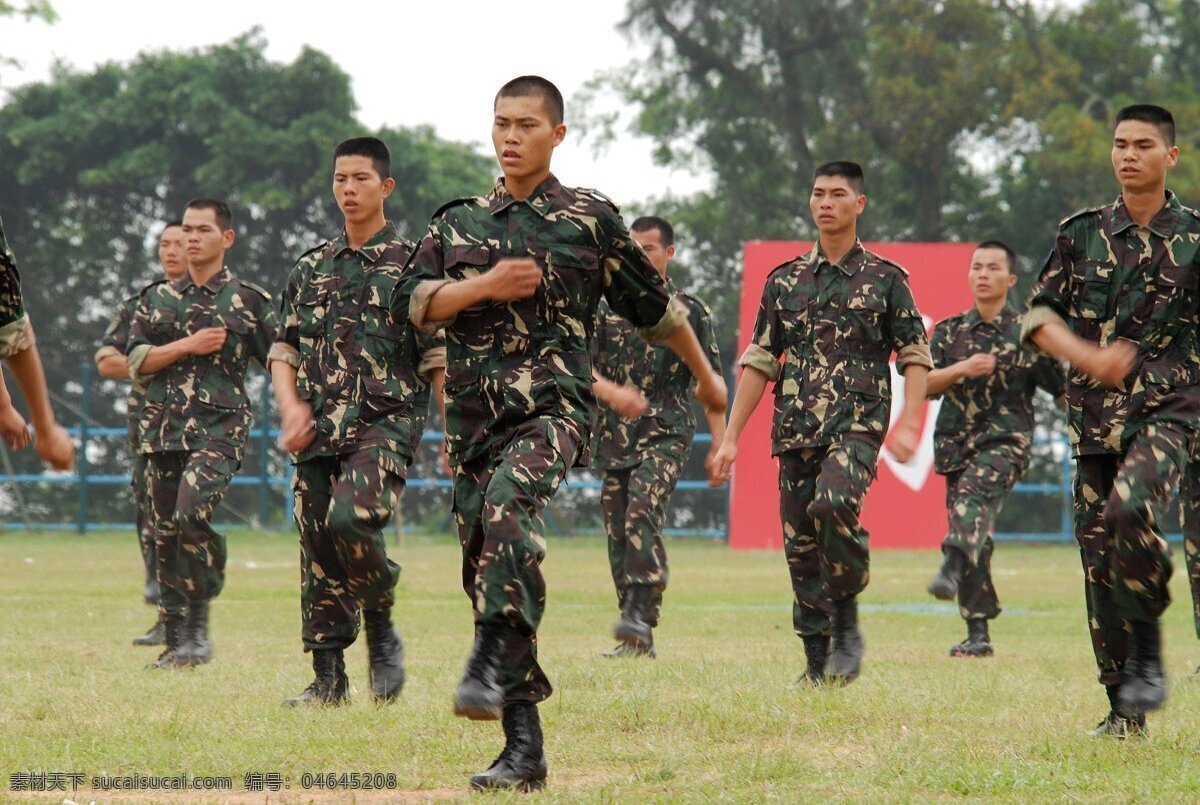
(410, 62)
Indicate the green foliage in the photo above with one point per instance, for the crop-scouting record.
(92, 162)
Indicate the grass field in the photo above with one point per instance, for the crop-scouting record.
(714, 718)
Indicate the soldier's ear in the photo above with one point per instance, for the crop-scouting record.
(389, 184)
(560, 132)
(860, 203)
(1012, 278)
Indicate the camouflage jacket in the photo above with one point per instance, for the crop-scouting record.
(116, 343)
(1109, 279)
(979, 411)
(625, 358)
(511, 362)
(15, 333)
(835, 327)
(200, 400)
(358, 362)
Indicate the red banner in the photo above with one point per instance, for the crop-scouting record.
(906, 506)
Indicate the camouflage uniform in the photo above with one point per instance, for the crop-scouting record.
(16, 333)
(1110, 279)
(1189, 499)
(641, 460)
(983, 437)
(835, 327)
(356, 360)
(116, 343)
(519, 401)
(195, 420)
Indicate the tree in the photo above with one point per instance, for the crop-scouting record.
(92, 162)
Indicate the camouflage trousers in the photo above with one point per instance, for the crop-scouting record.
(634, 503)
(341, 506)
(498, 502)
(821, 492)
(185, 488)
(974, 496)
(1189, 498)
(1119, 501)
(140, 485)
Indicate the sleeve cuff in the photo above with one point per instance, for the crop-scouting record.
(1032, 320)
(107, 351)
(419, 304)
(16, 336)
(434, 358)
(758, 358)
(135, 358)
(675, 315)
(914, 355)
(285, 353)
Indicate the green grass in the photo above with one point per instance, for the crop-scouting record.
(714, 718)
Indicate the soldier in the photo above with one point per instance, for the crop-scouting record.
(835, 315)
(110, 361)
(984, 432)
(18, 349)
(515, 277)
(1118, 299)
(346, 370)
(190, 344)
(642, 453)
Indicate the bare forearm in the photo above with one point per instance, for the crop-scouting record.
(941, 379)
(26, 367)
(604, 389)
(283, 384)
(1055, 339)
(113, 367)
(159, 358)
(455, 297)
(915, 379)
(716, 426)
(749, 391)
(682, 340)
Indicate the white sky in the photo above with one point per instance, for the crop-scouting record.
(411, 63)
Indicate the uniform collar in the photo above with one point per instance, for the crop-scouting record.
(849, 263)
(973, 319)
(373, 249)
(1163, 224)
(541, 200)
(215, 283)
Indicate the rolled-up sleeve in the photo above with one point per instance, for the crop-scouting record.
(1049, 300)
(284, 353)
(758, 358)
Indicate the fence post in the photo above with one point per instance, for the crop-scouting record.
(85, 379)
(264, 457)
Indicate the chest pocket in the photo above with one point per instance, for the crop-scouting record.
(312, 307)
(1090, 285)
(464, 262)
(1175, 294)
(165, 326)
(573, 277)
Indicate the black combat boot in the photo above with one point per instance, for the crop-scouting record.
(522, 764)
(173, 637)
(196, 646)
(634, 626)
(816, 653)
(385, 653)
(977, 644)
(632, 650)
(479, 696)
(846, 647)
(1116, 725)
(1143, 683)
(154, 636)
(330, 687)
(945, 584)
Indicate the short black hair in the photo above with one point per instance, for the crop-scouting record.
(666, 232)
(168, 224)
(1157, 116)
(372, 148)
(525, 85)
(1004, 247)
(852, 172)
(220, 210)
